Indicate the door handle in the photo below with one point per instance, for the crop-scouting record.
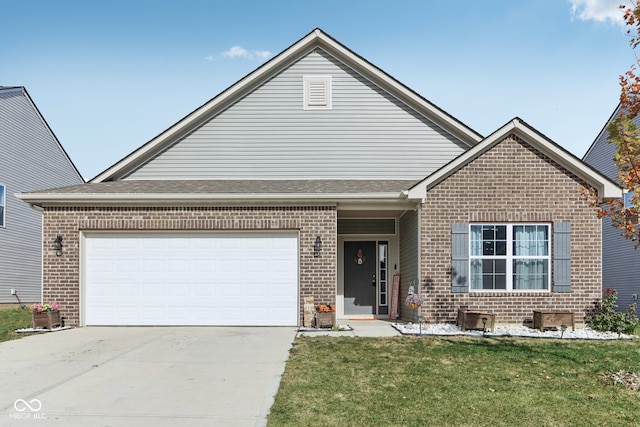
(373, 281)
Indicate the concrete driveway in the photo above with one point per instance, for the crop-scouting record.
(134, 376)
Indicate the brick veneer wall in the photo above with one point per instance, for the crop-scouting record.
(61, 274)
(512, 182)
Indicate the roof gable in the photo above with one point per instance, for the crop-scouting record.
(314, 40)
(37, 156)
(269, 134)
(604, 186)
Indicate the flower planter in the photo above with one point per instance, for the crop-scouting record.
(325, 319)
(473, 320)
(46, 319)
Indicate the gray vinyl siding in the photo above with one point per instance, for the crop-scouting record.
(367, 134)
(620, 265)
(409, 258)
(620, 260)
(600, 156)
(30, 159)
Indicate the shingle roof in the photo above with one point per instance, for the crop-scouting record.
(236, 187)
(211, 192)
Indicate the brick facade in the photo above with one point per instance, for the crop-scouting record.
(61, 274)
(512, 182)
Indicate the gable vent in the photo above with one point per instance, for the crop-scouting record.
(317, 92)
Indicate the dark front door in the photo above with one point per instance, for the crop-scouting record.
(360, 277)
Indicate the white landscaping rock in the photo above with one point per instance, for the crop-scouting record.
(508, 331)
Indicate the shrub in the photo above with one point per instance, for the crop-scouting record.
(607, 319)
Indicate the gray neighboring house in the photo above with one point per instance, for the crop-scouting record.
(620, 260)
(31, 158)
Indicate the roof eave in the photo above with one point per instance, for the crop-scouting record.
(200, 199)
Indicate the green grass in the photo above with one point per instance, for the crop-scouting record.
(12, 319)
(431, 381)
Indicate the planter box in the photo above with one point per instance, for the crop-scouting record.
(549, 318)
(473, 320)
(47, 319)
(325, 319)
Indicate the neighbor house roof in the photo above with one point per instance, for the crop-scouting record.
(315, 39)
(616, 112)
(23, 91)
(606, 188)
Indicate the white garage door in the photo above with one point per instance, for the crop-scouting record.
(191, 279)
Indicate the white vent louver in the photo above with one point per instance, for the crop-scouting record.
(317, 92)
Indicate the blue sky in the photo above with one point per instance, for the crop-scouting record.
(110, 75)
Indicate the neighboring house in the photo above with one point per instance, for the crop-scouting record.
(620, 259)
(320, 175)
(31, 158)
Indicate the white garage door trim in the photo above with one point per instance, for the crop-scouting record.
(184, 278)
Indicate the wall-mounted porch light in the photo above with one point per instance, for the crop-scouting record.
(57, 245)
(317, 247)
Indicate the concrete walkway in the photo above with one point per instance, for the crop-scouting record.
(360, 328)
(139, 376)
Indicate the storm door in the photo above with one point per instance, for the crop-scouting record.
(360, 277)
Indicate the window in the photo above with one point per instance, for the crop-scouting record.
(509, 257)
(317, 92)
(3, 203)
(383, 279)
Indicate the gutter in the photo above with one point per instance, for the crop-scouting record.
(208, 199)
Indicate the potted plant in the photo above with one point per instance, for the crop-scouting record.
(46, 315)
(325, 316)
(414, 302)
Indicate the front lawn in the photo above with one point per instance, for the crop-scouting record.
(12, 319)
(435, 381)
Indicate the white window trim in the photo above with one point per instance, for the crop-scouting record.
(307, 81)
(509, 258)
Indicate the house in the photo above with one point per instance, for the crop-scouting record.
(31, 158)
(620, 259)
(320, 175)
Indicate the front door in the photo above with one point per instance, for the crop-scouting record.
(360, 277)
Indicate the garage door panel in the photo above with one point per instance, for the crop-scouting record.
(204, 266)
(256, 290)
(151, 265)
(226, 290)
(175, 290)
(281, 290)
(126, 290)
(180, 266)
(191, 279)
(257, 266)
(230, 266)
(179, 313)
(152, 290)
